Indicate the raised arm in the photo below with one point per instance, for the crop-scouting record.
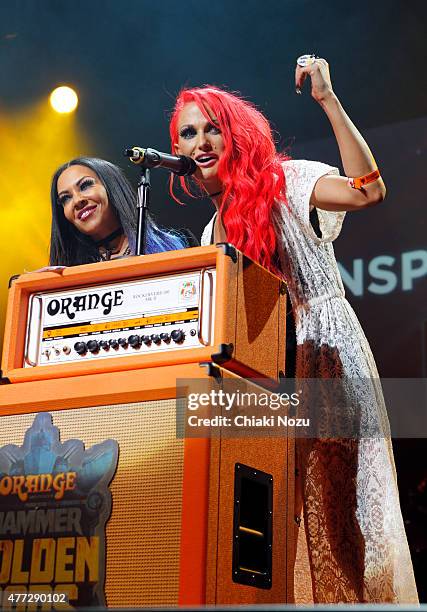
(335, 192)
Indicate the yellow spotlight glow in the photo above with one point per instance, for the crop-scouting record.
(64, 100)
(24, 188)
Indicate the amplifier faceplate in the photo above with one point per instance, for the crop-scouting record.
(157, 314)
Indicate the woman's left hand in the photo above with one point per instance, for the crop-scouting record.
(57, 269)
(318, 71)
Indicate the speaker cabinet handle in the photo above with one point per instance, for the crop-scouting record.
(30, 331)
(202, 306)
(252, 527)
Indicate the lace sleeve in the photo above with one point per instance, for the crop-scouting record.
(207, 235)
(301, 177)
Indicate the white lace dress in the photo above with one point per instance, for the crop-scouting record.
(352, 544)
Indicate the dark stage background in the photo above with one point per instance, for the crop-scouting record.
(127, 60)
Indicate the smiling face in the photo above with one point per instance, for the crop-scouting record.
(201, 139)
(85, 202)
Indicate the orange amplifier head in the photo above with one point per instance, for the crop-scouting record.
(195, 305)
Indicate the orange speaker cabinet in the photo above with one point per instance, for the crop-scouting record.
(169, 540)
(245, 317)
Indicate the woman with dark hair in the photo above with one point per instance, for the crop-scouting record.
(94, 215)
(352, 545)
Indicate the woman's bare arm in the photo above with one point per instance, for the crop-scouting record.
(333, 192)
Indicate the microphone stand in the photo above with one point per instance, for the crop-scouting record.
(143, 202)
(150, 158)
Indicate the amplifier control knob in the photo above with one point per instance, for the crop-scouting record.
(66, 350)
(123, 342)
(104, 345)
(155, 338)
(177, 335)
(146, 340)
(114, 343)
(165, 337)
(46, 353)
(93, 346)
(134, 341)
(80, 348)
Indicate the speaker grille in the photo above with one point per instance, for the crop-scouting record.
(143, 534)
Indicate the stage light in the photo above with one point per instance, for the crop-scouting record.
(64, 99)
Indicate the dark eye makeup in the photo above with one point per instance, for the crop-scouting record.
(213, 129)
(62, 200)
(87, 182)
(189, 131)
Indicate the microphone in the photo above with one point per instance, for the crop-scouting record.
(150, 158)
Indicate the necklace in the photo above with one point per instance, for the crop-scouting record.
(109, 254)
(105, 241)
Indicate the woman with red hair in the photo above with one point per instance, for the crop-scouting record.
(352, 544)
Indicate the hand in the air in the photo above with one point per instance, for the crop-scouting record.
(318, 71)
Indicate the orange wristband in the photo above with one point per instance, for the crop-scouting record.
(361, 181)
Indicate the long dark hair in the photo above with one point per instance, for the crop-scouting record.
(70, 247)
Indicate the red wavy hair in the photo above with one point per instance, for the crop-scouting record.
(250, 170)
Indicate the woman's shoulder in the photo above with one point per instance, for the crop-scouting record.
(300, 169)
(301, 176)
